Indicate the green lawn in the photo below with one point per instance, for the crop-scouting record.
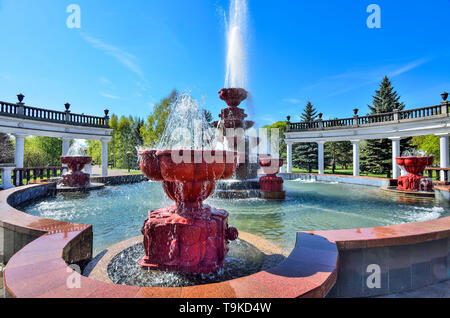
(341, 171)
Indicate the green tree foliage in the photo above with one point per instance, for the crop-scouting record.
(126, 139)
(208, 116)
(42, 151)
(376, 155)
(429, 144)
(153, 129)
(304, 155)
(7, 149)
(339, 153)
(281, 126)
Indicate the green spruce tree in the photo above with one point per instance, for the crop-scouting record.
(305, 155)
(376, 156)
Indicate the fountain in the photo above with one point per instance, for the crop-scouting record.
(188, 236)
(76, 180)
(414, 180)
(271, 184)
(232, 129)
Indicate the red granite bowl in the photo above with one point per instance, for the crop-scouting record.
(415, 165)
(149, 163)
(76, 163)
(193, 165)
(188, 176)
(271, 166)
(233, 96)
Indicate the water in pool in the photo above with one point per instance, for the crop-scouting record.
(117, 213)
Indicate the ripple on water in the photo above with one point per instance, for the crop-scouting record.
(243, 259)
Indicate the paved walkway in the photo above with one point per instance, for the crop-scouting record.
(97, 172)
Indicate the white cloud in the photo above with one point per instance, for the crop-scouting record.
(109, 96)
(292, 100)
(125, 58)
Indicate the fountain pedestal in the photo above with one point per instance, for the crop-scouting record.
(75, 178)
(414, 180)
(233, 127)
(188, 236)
(271, 184)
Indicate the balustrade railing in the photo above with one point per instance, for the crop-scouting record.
(20, 110)
(361, 121)
(429, 171)
(23, 176)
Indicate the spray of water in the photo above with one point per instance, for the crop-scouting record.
(236, 75)
(78, 148)
(187, 127)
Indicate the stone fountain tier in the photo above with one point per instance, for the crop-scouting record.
(244, 183)
(415, 181)
(75, 178)
(271, 184)
(188, 236)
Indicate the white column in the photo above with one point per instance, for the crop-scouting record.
(19, 150)
(395, 154)
(321, 157)
(289, 157)
(444, 154)
(105, 158)
(65, 146)
(356, 170)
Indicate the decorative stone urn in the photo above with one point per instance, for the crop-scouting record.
(75, 178)
(415, 181)
(188, 236)
(271, 184)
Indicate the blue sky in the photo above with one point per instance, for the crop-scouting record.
(130, 54)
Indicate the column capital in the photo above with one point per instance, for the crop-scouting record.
(443, 135)
(20, 135)
(321, 142)
(289, 142)
(395, 138)
(355, 141)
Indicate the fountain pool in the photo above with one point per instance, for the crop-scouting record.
(117, 213)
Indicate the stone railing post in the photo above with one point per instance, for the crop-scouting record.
(6, 172)
(320, 121)
(20, 105)
(396, 115)
(445, 104)
(106, 117)
(288, 123)
(68, 117)
(355, 117)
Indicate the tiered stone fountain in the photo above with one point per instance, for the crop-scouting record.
(414, 181)
(233, 127)
(189, 236)
(75, 178)
(271, 184)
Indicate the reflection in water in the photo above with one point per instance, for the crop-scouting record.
(117, 213)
